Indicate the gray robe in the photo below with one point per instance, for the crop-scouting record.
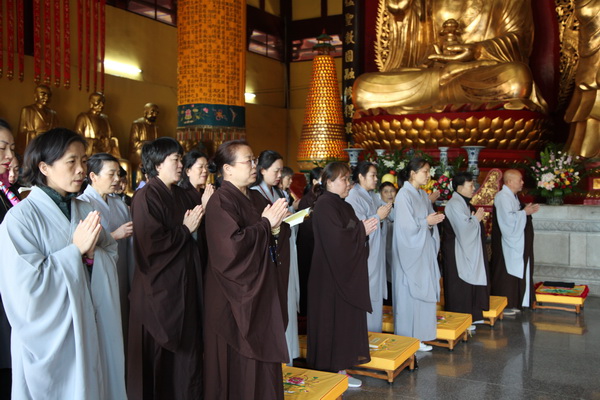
(114, 213)
(415, 273)
(365, 206)
(66, 329)
(293, 290)
(469, 251)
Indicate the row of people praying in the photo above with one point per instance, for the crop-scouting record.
(213, 279)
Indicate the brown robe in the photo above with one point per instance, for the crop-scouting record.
(244, 331)
(338, 288)
(504, 284)
(305, 242)
(165, 328)
(460, 296)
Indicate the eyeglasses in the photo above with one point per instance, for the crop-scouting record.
(252, 162)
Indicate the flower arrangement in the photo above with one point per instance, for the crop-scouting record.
(557, 173)
(443, 184)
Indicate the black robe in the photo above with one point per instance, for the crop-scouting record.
(165, 326)
(244, 332)
(460, 296)
(305, 242)
(504, 284)
(338, 288)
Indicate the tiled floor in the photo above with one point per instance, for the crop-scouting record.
(544, 354)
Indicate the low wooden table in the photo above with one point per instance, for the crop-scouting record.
(451, 327)
(307, 384)
(390, 354)
(496, 311)
(565, 299)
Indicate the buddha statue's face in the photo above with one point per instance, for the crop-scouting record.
(96, 104)
(42, 95)
(150, 113)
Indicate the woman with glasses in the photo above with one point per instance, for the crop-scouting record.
(165, 325)
(194, 176)
(244, 333)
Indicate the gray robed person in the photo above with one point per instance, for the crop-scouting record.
(103, 181)
(366, 205)
(415, 273)
(59, 282)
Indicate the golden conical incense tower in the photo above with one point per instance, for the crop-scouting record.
(323, 136)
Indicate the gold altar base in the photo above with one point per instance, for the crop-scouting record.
(500, 129)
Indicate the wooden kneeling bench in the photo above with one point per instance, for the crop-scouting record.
(451, 327)
(307, 384)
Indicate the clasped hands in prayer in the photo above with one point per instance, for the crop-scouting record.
(276, 212)
(87, 233)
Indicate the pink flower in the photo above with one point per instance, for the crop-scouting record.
(295, 380)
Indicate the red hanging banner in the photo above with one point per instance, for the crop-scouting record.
(80, 41)
(95, 42)
(88, 5)
(21, 39)
(102, 41)
(66, 43)
(57, 43)
(47, 42)
(10, 38)
(37, 42)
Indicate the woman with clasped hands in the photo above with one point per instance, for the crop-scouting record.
(59, 282)
(245, 286)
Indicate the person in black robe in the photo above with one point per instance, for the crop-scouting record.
(244, 332)
(466, 275)
(512, 261)
(165, 328)
(338, 285)
(305, 241)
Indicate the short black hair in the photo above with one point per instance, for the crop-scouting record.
(386, 184)
(155, 153)
(460, 178)
(47, 147)
(122, 172)
(4, 124)
(188, 162)
(96, 162)
(286, 171)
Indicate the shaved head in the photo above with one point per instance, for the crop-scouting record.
(514, 180)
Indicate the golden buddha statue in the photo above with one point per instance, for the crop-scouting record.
(584, 109)
(36, 118)
(442, 55)
(142, 130)
(96, 128)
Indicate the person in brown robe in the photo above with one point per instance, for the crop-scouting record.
(460, 295)
(512, 260)
(244, 330)
(338, 285)
(305, 241)
(165, 326)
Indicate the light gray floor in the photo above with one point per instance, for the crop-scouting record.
(528, 356)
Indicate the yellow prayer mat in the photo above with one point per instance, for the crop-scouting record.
(560, 295)
(305, 384)
(387, 351)
(451, 325)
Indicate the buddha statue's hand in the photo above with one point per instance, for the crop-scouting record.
(462, 52)
(451, 70)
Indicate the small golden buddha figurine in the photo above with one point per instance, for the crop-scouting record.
(142, 130)
(436, 54)
(36, 118)
(96, 128)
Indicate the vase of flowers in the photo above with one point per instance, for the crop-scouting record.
(556, 174)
